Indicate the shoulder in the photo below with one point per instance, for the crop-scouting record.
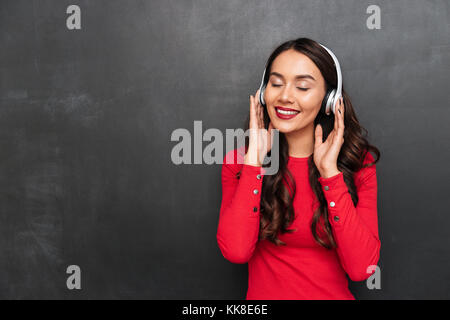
(368, 170)
(368, 158)
(233, 161)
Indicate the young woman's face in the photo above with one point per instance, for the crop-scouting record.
(294, 83)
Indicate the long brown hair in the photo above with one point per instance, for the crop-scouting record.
(278, 191)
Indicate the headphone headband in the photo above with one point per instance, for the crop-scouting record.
(338, 93)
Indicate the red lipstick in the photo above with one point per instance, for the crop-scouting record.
(285, 113)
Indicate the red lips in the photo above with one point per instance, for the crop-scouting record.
(285, 116)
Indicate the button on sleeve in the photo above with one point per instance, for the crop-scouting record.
(354, 225)
(334, 189)
(238, 227)
(251, 181)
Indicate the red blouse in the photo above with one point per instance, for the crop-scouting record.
(302, 269)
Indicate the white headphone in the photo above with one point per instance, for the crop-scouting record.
(332, 95)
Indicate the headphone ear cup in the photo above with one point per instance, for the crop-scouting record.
(330, 101)
(261, 95)
(324, 106)
(262, 89)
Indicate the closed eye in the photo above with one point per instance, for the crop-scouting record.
(279, 85)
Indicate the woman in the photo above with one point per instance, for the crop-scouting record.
(312, 224)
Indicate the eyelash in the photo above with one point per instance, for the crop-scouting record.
(278, 85)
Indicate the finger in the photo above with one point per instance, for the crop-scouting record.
(257, 97)
(336, 116)
(342, 105)
(337, 144)
(269, 137)
(255, 103)
(261, 108)
(261, 116)
(330, 137)
(318, 136)
(260, 113)
(252, 113)
(342, 108)
(341, 125)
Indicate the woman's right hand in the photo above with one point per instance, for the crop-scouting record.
(260, 140)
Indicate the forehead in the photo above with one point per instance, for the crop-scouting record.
(291, 63)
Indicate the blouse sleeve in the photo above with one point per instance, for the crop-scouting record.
(355, 230)
(239, 219)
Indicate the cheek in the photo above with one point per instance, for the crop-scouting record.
(269, 95)
(308, 99)
(311, 100)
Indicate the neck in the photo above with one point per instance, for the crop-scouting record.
(301, 142)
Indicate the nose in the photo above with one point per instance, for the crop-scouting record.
(286, 95)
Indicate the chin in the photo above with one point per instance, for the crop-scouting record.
(285, 127)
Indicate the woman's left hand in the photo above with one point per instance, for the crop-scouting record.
(326, 153)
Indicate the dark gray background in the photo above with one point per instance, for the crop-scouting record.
(86, 176)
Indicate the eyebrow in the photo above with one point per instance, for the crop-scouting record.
(299, 76)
